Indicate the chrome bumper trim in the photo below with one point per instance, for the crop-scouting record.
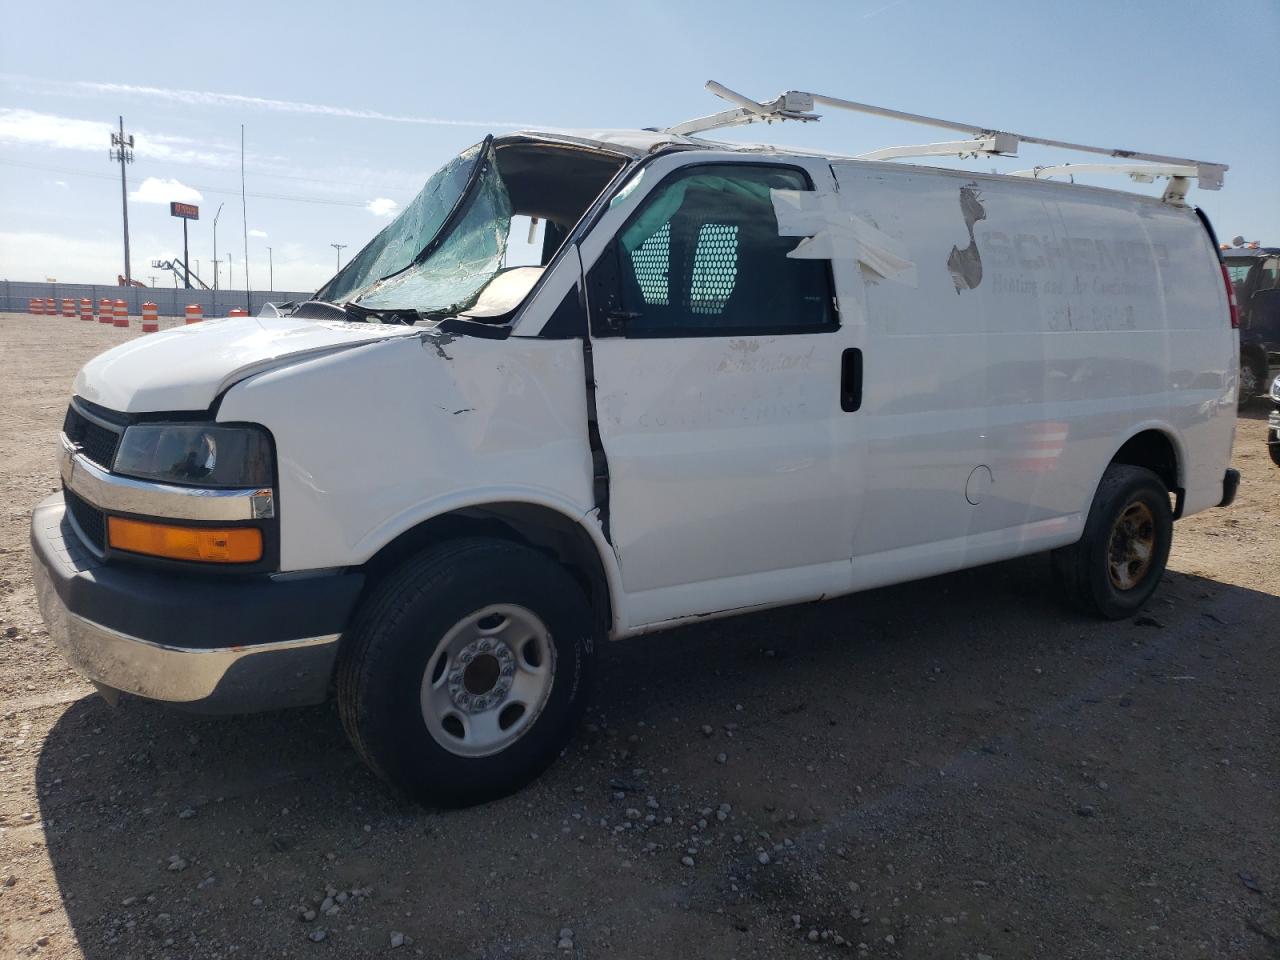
(117, 494)
(223, 680)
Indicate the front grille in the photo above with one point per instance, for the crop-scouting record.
(95, 441)
(91, 521)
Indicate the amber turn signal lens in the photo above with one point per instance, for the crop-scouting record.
(210, 545)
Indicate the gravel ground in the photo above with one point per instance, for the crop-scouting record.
(954, 768)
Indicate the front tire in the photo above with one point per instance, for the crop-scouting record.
(467, 671)
(1273, 446)
(1118, 562)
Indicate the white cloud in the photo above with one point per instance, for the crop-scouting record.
(158, 190)
(35, 129)
(382, 207)
(258, 233)
(205, 98)
(28, 127)
(62, 184)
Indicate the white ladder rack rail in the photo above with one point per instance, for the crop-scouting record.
(985, 141)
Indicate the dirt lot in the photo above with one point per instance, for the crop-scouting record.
(955, 768)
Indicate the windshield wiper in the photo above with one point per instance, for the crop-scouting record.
(362, 314)
(351, 313)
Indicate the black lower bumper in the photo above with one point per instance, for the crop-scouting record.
(215, 643)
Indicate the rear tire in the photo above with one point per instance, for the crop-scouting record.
(1118, 562)
(466, 671)
(1250, 384)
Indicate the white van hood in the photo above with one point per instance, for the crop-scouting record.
(188, 367)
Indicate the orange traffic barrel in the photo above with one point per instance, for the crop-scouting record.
(194, 313)
(120, 313)
(237, 312)
(150, 318)
(105, 311)
(68, 307)
(86, 308)
(50, 307)
(36, 306)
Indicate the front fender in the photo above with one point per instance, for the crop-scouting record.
(371, 442)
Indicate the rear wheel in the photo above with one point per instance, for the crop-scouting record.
(1118, 562)
(467, 671)
(1250, 383)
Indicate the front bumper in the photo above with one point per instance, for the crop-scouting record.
(1273, 425)
(215, 644)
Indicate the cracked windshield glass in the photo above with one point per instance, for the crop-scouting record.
(440, 252)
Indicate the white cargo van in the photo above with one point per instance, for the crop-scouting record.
(720, 378)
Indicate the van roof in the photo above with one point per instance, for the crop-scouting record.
(634, 144)
(1250, 253)
(798, 106)
(637, 143)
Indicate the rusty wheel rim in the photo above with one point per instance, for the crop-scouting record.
(1132, 544)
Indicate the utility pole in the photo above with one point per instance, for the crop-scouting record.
(231, 283)
(153, 280)
(271, 272)
(122, 151)
(338, 247)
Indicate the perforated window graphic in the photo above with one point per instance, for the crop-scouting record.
(715, 268)
(652, 263)
(703, 256)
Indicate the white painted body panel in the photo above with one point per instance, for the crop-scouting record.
(1098, 315)
(372, 442)
(734, 474)
(187, 367)
(736, 480)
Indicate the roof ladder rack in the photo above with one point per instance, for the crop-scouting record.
(984, 141)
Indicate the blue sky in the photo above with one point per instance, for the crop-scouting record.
(349, 107)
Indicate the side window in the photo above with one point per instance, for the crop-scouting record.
(1269, 276)
(702, 257)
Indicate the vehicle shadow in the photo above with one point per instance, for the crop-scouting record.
(173, 834)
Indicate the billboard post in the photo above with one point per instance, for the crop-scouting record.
(187, 211)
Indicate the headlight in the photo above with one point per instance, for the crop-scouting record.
(196, 454)
(1275, 389)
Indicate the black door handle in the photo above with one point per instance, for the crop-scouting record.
(851, 380)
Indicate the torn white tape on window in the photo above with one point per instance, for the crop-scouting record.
(832, 231)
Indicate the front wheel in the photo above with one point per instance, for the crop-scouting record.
(1118, 562)
(467, 671)
(1273, 446)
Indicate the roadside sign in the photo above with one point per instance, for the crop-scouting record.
(187, 211)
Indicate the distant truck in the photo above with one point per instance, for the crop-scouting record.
(1255, 275)
(734, 377)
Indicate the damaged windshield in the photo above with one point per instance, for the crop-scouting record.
(442, 249)
(501, 209)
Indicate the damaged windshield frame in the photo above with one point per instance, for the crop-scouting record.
(484, 157)
(390, 281)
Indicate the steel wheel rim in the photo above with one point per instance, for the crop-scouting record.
(1132, 546)
(487, 680)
